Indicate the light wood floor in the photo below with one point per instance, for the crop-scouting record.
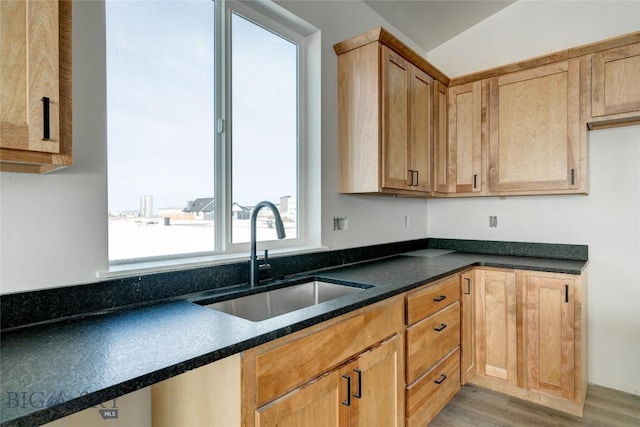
(477, 407)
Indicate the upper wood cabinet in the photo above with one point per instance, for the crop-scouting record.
(465, 138)
(615, 84)
(35, 77)
(406, 124)
(536, 144)
(520, 129)
(441, 154)
(385, 117)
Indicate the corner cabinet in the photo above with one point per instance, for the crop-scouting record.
(385, 119)
(530, 336)
(35, 74)
(536, 142)
(465, 138)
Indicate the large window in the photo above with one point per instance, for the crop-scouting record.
(204, 102)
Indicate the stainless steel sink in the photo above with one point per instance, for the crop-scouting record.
(270, 304)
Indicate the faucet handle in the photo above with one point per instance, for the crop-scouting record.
(266, 256)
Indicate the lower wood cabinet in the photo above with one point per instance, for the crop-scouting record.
(433, 390)
(496, 325)
(529, 336)
(346, 371)
(433, 349)
(399, 361)
(363, 392)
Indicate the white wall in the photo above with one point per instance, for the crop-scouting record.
(608, 219)
(527, 29)
(371, 219)
(53, 228)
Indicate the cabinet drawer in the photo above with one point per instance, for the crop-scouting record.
(290, 365)
(431, 339)
(427, 396)
(426, 301)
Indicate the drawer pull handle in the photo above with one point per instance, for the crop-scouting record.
(440, 298)
(468, 281)
(358, 395)
(441, 380)
(348, 401)
(442, 326)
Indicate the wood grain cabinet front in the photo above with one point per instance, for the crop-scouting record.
(363, 392)
(35, 76)
(465, 138)
(433, 349)
(615, 86)
(385, 120)
(347, 371)
(529, 336)
(536, 141)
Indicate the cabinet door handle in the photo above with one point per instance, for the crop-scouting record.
(573, 177)
(417, 179)
(348, 401)
(566, 293)
(440, 298)
(358, 395)
(475, 181)
(410, 177)
(46, 125)
(441, 380)
(441, 327)
(468, 281)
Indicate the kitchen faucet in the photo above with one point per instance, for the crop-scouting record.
(254, 265)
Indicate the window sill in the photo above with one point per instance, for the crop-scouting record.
(161, 266)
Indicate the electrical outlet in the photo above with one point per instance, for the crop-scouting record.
(340, 223)
(493, 221)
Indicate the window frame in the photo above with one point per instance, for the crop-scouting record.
(281, 22)
(277, 24)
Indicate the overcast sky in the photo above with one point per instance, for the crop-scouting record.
(160, 82)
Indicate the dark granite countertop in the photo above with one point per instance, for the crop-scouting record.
(53, 370)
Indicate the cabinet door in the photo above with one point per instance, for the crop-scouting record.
(549, 333)
(318, 403)
(421, 129)
(465, 137)
(441, 155)
(467, 328)
(615, 81)
(534, 129)
(395, 121)
(496, 325)
(29, 76)
(378, 386)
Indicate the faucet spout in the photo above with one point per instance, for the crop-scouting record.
(254, 266)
